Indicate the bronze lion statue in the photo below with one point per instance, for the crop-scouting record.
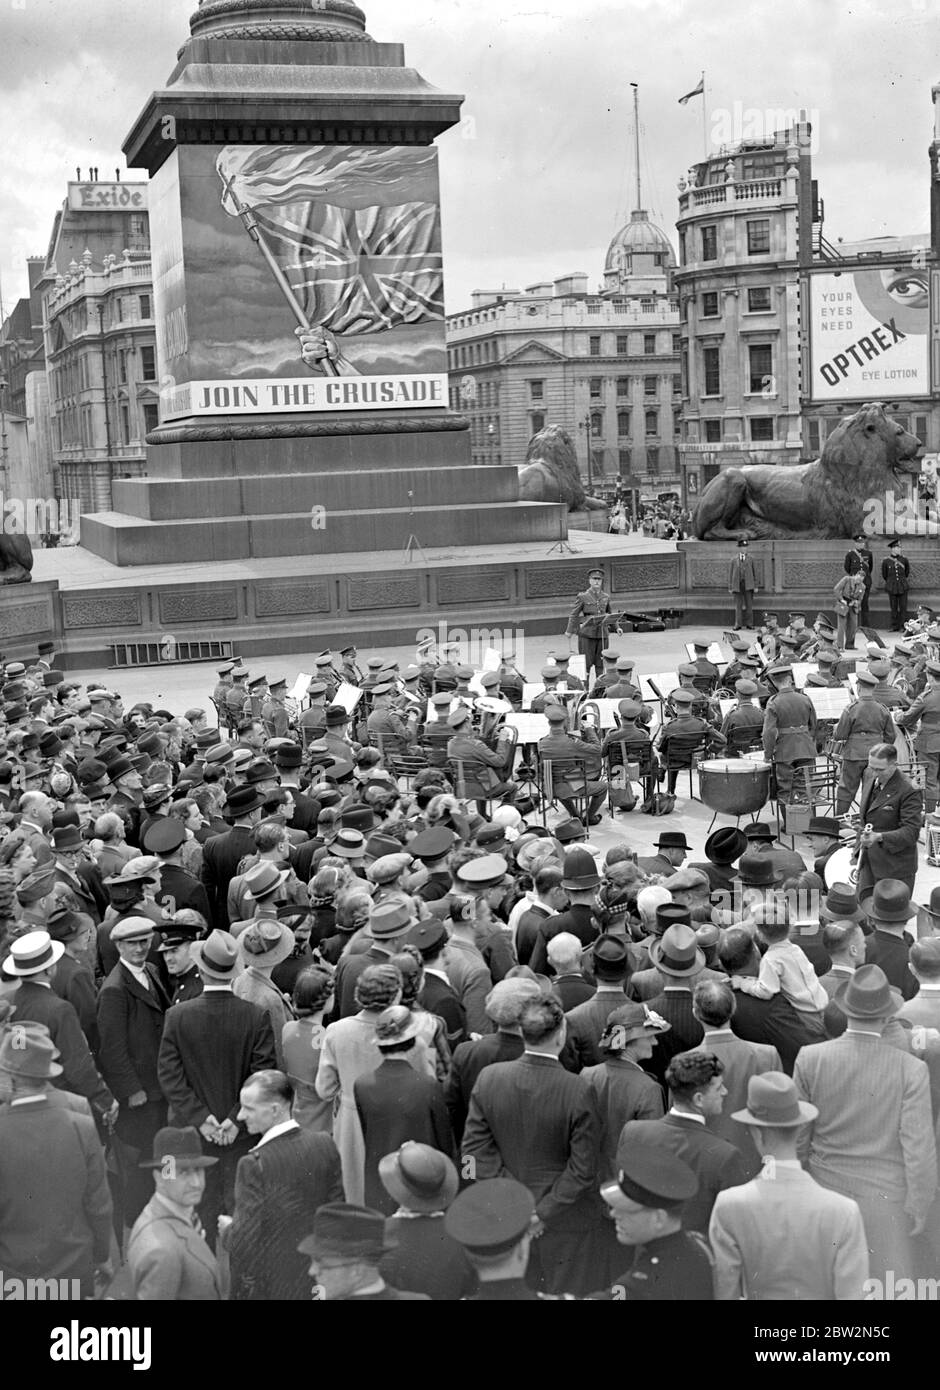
(863, 458)
(550, 472)
(16, 558)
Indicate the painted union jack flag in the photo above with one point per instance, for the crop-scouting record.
(355, 231)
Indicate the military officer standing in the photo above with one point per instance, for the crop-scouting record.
(789, 730)
(926, 710)
(860, 560)
(896, 573)
(861, 725)
(646, 1204)
(586, 622)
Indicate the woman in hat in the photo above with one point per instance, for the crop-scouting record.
(432, 1031)
(349, 1051)
(261, 946)
(621, 1088)
(301, 1044)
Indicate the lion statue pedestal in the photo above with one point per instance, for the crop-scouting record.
(864, 459)
(550, 472)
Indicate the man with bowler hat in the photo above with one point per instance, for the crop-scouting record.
(673, 849)
(782, 1236)
(587, 1021)
(167, 1254)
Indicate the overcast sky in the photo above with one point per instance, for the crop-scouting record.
(540, 175)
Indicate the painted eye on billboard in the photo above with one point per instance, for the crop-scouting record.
(869, 334)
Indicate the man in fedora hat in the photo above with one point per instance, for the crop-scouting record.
(167, 1254)
(262, 946)
(73, 979)
(673, 849)
(762, 840)
(422, 1256)
(396, 1101)
(880, 1152)
(210, 1046)
(131, 1007)
(534, 1121)
(893, 809)
(889, 908)
(222, 854)
(680, 961)
(55, 1207)
(696, 1084)
(650, 1202)
(722, 849)
(580, 881)
(288, 1174)
(782, 1236)
(587, 1021)
(824, 839)
(389, 924)
(346, 1249)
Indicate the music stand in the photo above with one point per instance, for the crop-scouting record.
(412, 544)
(562, 545)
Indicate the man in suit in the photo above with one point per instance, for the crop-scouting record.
(397, 1102)
(782, 1236)
(873, 1138)
(860, 560)
(131, 1007)
(34, 960)
(55, 1207)
(211, 1045)
(222, 854)
(742, 585)
(178, 889)
(896, 576)
(346, 1249)
(437, 994)
(287, 1175)
(696, 1082)
(925, 713)
(534, 1121)
(680, 961)
(167, 1254)
(504, 1005)
(587, 1021)
(586, 623)
(673, 850)
(889, 908)
(580, 881)
(565, 954)
(893, 808)
(73, 979)
(423, 1257)
(713, 1004)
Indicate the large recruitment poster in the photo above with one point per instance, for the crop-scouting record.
(868, 334)
(294, 278)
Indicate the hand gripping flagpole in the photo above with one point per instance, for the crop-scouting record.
(250, 224)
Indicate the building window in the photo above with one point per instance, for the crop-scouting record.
(677, 385)
(647, 306)
(711, 370)
(710, 304)
(760, 357)
(712, 431)
(675, 423)
(122, 364)
(623, 344)
(652, 422)
(623, 460)
(119, 310)
(649, 385)
(623, 386)
(652, 458)
(758, 300)
(597, 425)
(758, 237)
(710, 243)
(676, 343)
(649, 344)
(536, 390)
(151, 417)
(762, 427)
(596, 387)
(812, 436)
(920, 428)
(623, 424)
(138, 226)
(682, 247)
(594, 345)
(125, 425)
(758, 166)
(145, 306)
(148, 363)
(536, 421)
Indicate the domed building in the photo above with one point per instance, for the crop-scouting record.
(640, 251)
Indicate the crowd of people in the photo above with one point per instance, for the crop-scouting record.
(295, 1004)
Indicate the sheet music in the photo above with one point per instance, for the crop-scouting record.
(828, 702)
(299, 690)
(801, 670)
(529, 693)
(726, 706)
(578, 668)
(607, 710)
(714, 654)
(348, 696)
(492, 659)
(663, 684)
(530, 727)
(475, 684)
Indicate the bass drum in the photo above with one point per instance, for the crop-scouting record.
(840, 869)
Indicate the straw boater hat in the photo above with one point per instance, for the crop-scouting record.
(33, 952)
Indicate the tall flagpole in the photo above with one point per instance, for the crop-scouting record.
(636, 140)
(704, 117)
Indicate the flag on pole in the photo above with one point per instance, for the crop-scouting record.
(695, 92)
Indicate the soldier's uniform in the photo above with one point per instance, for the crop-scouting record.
(926, 709)
(703, 667)
(895, 571)
(885, 693)
(744, 716)
(861, 725)
(223, 685)
(683, 728)
(236, 699)
(586, 622)
(257, 694)
(387, 730)
(561, 747)
(789, 734)
(610, 677)
(702, 706)
(349, 671)
(327, 673)
(275, 716)
(572, 682)
(313, 719)
(511, 683)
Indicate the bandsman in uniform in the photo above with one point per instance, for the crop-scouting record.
(586, 622)
(445, 673)
(828, 663)
(609, 676)
(223, 684)
(896, 573)
(629, 731)
(236, 699)
(374, 667)
(437, 731)
(572, 682)
(704, 707)
(511, 683)
(273, 713)
(703, 667)
(549, 695)
(750, 667)
(861, 725)
(409, 699)
(625, 688)
(684, 726)
(884, 692)
(745, 715)
(734, 670)
(257, 694)
(798, 631)
(349, 671)
(325, 671)
(313, 719)
(387, 730)
(789, 729)
(560, 746)
(491, 768)
(925, 713)
(462, 690)
(495, 1222)
(646, 1204)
